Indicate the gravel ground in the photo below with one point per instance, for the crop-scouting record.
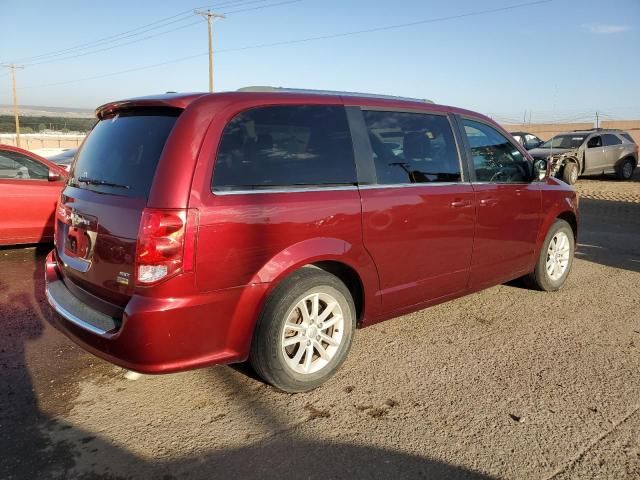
(505, 383)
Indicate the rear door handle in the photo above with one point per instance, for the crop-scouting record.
(458, 203)
(488, 202)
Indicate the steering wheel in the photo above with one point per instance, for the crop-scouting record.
(495, 176)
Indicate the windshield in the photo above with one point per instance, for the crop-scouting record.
(564, 141)
(121, 154)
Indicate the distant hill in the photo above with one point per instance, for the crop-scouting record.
(41, 111)
(40, 123)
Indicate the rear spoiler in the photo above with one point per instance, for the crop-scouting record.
(173, 101)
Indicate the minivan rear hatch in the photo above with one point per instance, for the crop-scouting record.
(98, 217)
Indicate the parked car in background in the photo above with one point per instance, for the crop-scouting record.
(29, 189)
(64, 158)
(527, 140)
(200, 229)
(590, 152)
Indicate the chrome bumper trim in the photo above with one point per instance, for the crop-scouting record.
(71, 317)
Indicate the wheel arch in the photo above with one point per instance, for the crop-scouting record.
(574, 159)
(350, 277)
(622, 160)
(565, 210)
(351, 263)
(571, 218)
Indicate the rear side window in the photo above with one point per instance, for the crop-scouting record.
(412, 147)
(609, 139)
(495, 158)
(285, 146)
(121, 153)
(628, 137)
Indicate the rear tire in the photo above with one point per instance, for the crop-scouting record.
(555, 258)
(570, 173)
(625, 169)
(294, 350)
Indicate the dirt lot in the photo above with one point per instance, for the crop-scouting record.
(506, 383)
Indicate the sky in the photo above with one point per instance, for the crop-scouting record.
(552, 60)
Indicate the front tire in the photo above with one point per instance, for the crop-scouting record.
(570, 173)
(304, 332)
(625, 170)
(555, 258)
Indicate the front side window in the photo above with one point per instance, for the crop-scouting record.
(14, 165)
(609, 139)
(285, 146)
(412, 147)
(594, 142)
(495, 159)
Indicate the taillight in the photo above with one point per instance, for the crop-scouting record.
(62, 211)
(166, 244)
(62, 216)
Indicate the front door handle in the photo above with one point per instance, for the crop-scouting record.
(459, 203)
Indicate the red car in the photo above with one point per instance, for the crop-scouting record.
(30, 188)
(267, 224)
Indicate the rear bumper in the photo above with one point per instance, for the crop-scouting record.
(160, 335)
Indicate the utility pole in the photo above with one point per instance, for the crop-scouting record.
(15, 99)
(210, 16)
(597, 120)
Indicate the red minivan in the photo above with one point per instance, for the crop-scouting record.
(266, 224)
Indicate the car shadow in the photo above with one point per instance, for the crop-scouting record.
(612, 177)
(39, 444)
(609, 233)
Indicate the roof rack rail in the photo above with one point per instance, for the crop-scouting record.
(265, 89)
(597, 129)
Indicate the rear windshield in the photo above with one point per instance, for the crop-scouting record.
(121, 153)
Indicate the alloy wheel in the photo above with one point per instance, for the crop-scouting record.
(558, 255)
(312, 333)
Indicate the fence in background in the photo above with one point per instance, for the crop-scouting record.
(43, 141)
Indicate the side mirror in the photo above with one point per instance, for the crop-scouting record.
(54, 176)
(541, 169)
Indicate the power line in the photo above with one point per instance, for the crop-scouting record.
(158, 24)
(306, 39)
(387, 27)
(111, 47)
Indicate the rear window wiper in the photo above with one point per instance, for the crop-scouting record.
(96, 181)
